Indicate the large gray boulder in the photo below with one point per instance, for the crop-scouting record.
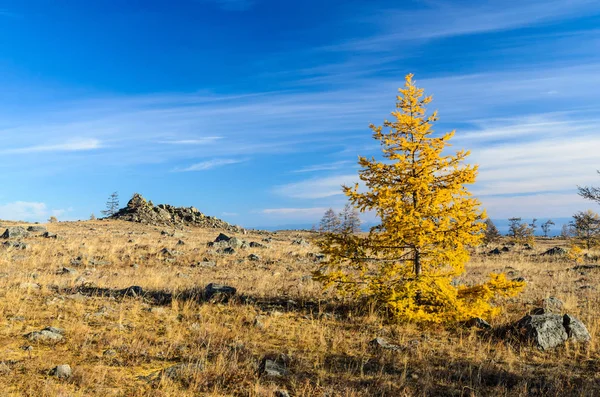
(36, 229)
(15, 232)
(550, 330)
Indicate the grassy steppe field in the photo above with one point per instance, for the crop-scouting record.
(119, 343)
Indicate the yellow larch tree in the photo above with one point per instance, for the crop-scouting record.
(408, 262)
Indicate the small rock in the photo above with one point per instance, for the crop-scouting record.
(555, 251)
(61, 372)
(478, 323)
(48, 334)
(552, 305)
(273, 368)
(16, 244)
(576, 330)
(254, 244)
(67, 270)
(36, 229)
(381, 343)
(495, 251)
(207, 264)
(282, 393)
(29, 286)
(109, 353)
(301, 242)
(49, 235)
(213, 290)
(222, 237)
(253, 257)
(227, 251)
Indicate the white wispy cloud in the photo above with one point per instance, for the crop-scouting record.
(324, 167)
(198, 141)
(396, 27)
(73, 145)
(316, 188)
(28, 211)
(210, 164)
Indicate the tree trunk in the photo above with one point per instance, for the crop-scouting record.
(417, 264)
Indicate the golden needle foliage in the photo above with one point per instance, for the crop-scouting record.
(428, 220)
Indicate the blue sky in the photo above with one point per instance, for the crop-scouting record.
(255, 110)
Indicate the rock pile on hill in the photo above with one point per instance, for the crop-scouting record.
(142, 211)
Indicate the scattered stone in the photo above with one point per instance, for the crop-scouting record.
(477, 323)
(274, 368)
(505, 249)
(576, 330)
(67, 270)
(16, 244)
(181, 242)
(555, 251)
(222, 237)
(15, 232)
(227, 251)
(213, 290)
(48, 334)
(29, 286)
(254, 244)
(552, 305)
(495, 251)
(282, 393)
(36, 229)
(381, 343)
(206, 264)
(182, 371)
(61, 371)
(77, 261)
(109, 353)
(253, 257)
(301, 242)
(527, 246)
(586, 267)
(50, 235)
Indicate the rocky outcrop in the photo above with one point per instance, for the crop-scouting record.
(550, 330)
(142, 211)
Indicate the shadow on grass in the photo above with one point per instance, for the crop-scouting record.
(332, 310)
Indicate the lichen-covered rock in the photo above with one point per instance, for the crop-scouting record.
(550, 330)
(15, 232)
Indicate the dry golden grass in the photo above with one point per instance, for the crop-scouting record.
(116, 345)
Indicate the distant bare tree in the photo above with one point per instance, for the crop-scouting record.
(330, 222)
(590, 192)
(520, 232)
(491, 232)
(112, 205)
(586, 226)
(546, 226)
(350, 221)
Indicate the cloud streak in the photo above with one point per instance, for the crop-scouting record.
(73, 145)
(210, 164)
